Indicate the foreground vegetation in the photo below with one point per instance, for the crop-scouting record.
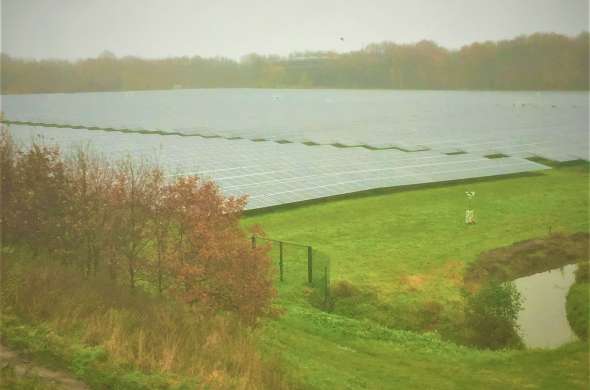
(111, 337)
(534, 62)
(128, 280)
(9, 379)
(178, 238)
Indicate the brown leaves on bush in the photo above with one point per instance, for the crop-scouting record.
(178, 235)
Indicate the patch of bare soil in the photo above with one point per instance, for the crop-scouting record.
(527, 258)
(22, 367)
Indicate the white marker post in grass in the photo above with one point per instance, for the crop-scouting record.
(469, 213)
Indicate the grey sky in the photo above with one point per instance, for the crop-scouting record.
(232, 28)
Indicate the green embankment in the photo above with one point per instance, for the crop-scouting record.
(411, 248)
(578, 302)
(578, 308)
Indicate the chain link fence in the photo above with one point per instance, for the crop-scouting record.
(298, 265)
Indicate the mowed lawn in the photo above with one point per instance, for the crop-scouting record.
(413, 242)
(379, 238)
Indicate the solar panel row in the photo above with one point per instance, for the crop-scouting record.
(273, 174)
(551, 125)
(560, 146)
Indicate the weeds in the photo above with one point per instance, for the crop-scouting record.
(146, 336)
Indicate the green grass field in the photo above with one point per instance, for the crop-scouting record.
(411, 246)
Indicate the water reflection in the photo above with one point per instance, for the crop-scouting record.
(543, 320)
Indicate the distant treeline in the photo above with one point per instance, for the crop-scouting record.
(543, 61)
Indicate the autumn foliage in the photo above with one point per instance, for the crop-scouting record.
(173, 236)
(541, 61)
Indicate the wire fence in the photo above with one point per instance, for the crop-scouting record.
(298, 264)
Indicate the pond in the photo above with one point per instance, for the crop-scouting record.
(543, 321)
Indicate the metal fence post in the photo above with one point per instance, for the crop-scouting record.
(281, 259)
(253, 242)
(326, 285)
(309, 265)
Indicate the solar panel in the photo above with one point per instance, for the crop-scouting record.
(272, 173)
(445, 122)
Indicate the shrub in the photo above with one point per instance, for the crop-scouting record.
(490, 317)
(430, 315)
(344, 289)
(180, 236)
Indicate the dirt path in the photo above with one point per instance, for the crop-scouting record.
(22, 366)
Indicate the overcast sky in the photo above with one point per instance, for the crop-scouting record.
(232, 28)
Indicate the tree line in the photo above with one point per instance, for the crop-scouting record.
(541, 61)
(125, 219)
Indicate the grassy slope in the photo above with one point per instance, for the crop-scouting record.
(380, 239)
(578, 308)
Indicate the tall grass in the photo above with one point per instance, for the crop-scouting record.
(152, 334)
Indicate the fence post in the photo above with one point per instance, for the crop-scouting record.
(253, 241)
(326, 285)
(281, 259)
(309, 265)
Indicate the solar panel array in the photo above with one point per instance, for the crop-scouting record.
(274, 174)
(552, 125)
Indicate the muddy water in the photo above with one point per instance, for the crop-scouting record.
(543, 320)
